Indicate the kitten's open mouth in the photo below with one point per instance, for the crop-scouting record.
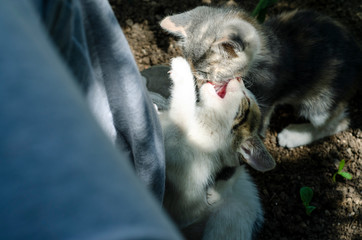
(220, 88)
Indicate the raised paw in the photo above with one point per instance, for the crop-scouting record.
(234, 92)
(230, 102)
(296, 135)
(180, 70)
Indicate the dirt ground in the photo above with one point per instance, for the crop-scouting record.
(338, 212)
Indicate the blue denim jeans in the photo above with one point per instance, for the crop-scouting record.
(61, 175)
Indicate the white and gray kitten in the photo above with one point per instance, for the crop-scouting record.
(300, 58)
(201, 138)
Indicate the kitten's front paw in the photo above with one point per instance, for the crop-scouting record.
(212, 196)
(180, 70)
(235, 86)
(234, 92)
(295, 135)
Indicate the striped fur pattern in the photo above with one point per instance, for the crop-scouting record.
(300, 58)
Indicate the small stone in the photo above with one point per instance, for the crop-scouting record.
(303, 225)
(351, 214)
(349, 151)
(129, 22)
(146, 60)
(350, 189)
(359, 15)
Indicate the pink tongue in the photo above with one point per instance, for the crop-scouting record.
(222, 91)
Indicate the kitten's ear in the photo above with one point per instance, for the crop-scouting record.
(256, 154)
(173, 24)
(230, 47)
(239, 36)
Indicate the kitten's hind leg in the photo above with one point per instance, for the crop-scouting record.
(183, 95)
(302, 134)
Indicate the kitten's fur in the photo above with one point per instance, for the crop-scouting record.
(200, 140)
(300, 58)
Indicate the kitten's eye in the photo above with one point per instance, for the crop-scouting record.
(201, 75)
(201, 72)
(242, 114)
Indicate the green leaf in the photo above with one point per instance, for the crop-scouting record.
(341, 165)
(346, 175)
(306, 194)
(261, 16)
(334, 177)
(309, 209)
(260, 9)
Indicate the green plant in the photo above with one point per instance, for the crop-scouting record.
(260, 10)
(306, 194)
(339, 172)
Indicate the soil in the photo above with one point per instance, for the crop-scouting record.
(338, 205)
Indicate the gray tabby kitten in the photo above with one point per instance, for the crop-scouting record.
(300, 58)
(201, 139)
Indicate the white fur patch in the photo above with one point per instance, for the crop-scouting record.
(183, 100)
(319, 120)
(296, 135)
